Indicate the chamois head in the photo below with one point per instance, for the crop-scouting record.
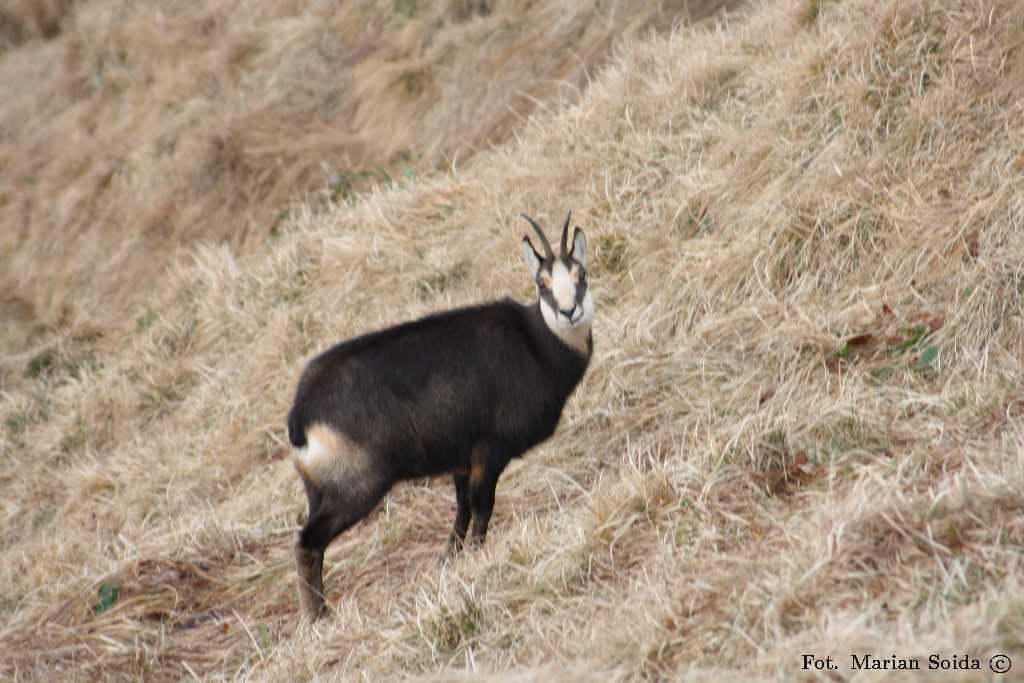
(565, 300)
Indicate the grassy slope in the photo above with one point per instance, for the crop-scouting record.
(801, 431)
(123, 133)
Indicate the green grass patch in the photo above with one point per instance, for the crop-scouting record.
(40, 363)
(612, 254)
(108, 595)
(454, 628)
(441, 281)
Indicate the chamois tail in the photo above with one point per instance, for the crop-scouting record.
(296, 431)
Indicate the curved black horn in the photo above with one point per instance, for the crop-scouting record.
(565, 235)
(548, 255)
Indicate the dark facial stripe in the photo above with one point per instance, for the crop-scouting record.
(581, 291)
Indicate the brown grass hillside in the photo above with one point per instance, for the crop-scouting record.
(801, 431)
(128, 130)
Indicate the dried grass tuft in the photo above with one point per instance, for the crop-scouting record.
(130, 130)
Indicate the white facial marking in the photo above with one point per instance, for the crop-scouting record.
(574, 329)
(563, 287)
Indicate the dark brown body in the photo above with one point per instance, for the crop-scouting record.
(462, 392)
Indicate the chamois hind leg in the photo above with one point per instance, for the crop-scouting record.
(334, 514)
(309, 564)
(463, 514)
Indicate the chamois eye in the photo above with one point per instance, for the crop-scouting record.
(583, 274)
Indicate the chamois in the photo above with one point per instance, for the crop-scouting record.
(460, 392)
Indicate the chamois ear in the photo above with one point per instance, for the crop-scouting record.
(579, 247)
(533, 259)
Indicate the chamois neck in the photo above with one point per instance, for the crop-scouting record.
(576, 339)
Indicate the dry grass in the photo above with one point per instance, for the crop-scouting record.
(801, 432)
(128, 130)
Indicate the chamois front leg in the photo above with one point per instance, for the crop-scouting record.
(462, 515)
(483, 479)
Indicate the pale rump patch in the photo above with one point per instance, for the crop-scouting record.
(329, 456)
